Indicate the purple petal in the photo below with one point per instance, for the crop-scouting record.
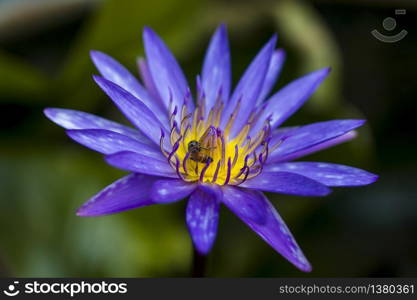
(203, 216)
(275, 66)
(170, 190)
(249, 87)
(147, 79)
(273, 230)
(286, 183)
(129, 192)
(289, 99)
(108, 142)
(136, 162)
(244, 203)
(74, 119)
(326, 173)
(216, 74)
(279, 135)
(318, 147)
(311, 135)
(113, 71)
(166, 73)
(137, 112)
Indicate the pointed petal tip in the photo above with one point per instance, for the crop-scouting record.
(327, 70)
(95, 53)
(321, 73)
(97, 57)
(51, 113)
(101, 81)
(373, 178)
(317, 75)
(147, 28)
(148, 32)
(306, 268)
(72, 132)
(280, 52)
(326, 191)
(357, 122)
(272, 41)
(80, 213)
(105, 84)
(140, 59)
(220, 34)
(97, 78)
(323, 191)
(48, 112)
(222, 29)
(270, 45)
(83, 212)
(274, 37)
(350, 135)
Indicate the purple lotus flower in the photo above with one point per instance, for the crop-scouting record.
(225, 147)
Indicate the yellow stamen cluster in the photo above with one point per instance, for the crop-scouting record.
(201, 151)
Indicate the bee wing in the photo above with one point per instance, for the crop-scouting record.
(208, 141)
(210, 131)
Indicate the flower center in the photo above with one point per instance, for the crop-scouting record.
(201, 150)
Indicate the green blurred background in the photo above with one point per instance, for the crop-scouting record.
(44, 177)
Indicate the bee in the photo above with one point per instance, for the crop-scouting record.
(198, 149)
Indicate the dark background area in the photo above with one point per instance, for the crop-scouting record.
(44, 177)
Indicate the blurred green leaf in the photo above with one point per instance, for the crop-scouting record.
(50, 240)
(19, 79)
(116, 28)
(302, 27)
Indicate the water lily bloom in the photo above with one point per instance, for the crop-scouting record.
(223, 147)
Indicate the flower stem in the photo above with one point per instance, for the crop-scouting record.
(199, 264)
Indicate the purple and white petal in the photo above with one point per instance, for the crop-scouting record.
(216, 74)
(137, 112)
(244, 203)
(139, 163)
(249, 88)
(275, 66)
(108, 142)
(202, 216)
(170, 190)
(318, 147)
(165, 70)
(74, 119)
(273, 230)
(311, 135)
(325, 173)
(279, 135)
(147, 79)
(113, 71)
(286, 183)
(289, 99)
(129, 192)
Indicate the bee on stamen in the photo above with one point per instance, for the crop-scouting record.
(197, 152)
(200, 150)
